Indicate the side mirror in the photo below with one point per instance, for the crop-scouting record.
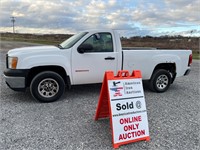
(85, 48)
(97, 36)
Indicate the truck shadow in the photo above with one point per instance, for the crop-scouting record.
(95, 88)
(88, 88)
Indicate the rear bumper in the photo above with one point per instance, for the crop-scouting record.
(187, 72)
(16, 79)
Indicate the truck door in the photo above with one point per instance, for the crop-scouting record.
(92, 58)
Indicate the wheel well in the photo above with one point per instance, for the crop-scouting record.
(35, 70)
(171, 67)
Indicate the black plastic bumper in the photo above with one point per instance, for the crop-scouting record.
(187, 72)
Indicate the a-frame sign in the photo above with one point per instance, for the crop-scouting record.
(122, 100)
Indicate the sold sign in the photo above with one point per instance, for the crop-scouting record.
(125, 106)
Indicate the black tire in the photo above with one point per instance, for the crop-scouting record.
(160, 81)
(47, 86)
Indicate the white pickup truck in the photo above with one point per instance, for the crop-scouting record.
(84, 58)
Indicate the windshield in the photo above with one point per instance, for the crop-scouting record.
(72, 40)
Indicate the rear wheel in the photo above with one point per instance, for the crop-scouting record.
(160, 81)
(47, 86)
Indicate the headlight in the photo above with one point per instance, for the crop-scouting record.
(12, 62)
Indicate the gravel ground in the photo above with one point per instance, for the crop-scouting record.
(174, 117)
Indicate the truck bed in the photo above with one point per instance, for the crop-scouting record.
(147, 59)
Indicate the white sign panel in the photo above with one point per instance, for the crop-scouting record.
(128, 110)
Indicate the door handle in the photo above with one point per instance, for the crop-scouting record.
(109, 58)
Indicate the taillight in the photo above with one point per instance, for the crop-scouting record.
(190, 60)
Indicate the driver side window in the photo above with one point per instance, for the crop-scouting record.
(99, 42)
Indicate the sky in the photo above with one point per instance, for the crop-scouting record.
(129, 17)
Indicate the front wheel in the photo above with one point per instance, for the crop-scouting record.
(160, 81)
(47, 86)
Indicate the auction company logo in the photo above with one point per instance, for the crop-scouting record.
(116, 89)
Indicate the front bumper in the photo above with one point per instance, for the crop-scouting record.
(15, 82)
(16, 78)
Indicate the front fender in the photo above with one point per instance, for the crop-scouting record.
(29, 62)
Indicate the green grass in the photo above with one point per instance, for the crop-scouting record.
(196, 56)
(38, 41)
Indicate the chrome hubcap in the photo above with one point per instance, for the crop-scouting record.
(48, 87)
(162, 82)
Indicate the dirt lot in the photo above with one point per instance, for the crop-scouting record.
(68, 124)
